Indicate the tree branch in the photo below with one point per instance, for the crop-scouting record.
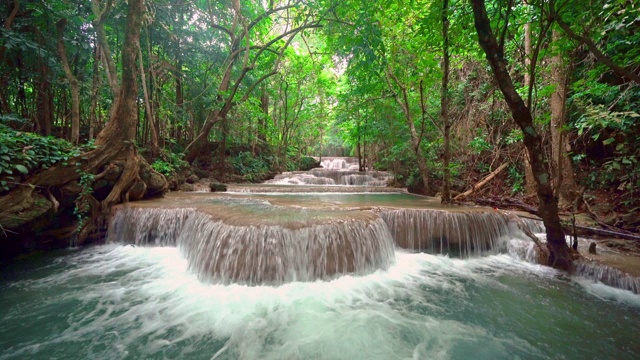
(591, 46)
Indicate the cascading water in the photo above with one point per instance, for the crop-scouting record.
(260, 254)
(334, 171)
(608, 275)
(443, 232)
(341, 289)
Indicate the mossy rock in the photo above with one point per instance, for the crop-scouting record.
(216, 186)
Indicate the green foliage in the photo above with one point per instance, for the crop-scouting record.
(306, 163)
(617, 131)
(516, 179)
(82, 205)
(251, 167)
(22, 153)
(514, 136)
(170, 165)
(479, 143)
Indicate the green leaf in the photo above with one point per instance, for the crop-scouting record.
(22, 169)
(608, 141)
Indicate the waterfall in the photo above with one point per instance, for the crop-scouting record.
(442, 232)
(607, 275)
(260, 254)
(340, 163)
(589, 269)
(334, 171)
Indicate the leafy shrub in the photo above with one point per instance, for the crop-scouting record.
(172, 165)
(250, 166)
(307, 163)
(479, 143)
(516, 178)
(22, 153)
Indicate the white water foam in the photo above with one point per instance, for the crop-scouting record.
(138, 302)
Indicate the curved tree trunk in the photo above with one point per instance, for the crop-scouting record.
(548, 204)
(115, 157)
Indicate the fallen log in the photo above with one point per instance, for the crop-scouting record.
(507, 203)
(567, 227)
(587, 231)
(482, 182)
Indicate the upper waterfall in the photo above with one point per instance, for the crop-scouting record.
(334, 171)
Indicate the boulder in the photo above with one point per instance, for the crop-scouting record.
(216, 186)
(186, 187)
(192, 178)
(201, 173)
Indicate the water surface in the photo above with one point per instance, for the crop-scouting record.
(125, 302)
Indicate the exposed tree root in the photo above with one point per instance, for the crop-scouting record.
(128, 186)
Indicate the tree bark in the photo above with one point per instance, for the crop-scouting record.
(559, 256)
(564, 185)
(114, 145)
(100, 14)
(529, 181)
(44, 109)
(95, 85)
(8, 23)
(73, 84)
(154, 150)
(262, 119)
(444, 105)
(415, 138)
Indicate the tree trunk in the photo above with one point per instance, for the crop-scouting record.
(44, 111)
(547, 204)
(95, 86)
(415, 138)
(154, 149)
(565, 184)
(114, 145)
(73, 83)
(444, 104)
(112, 75)
(262, 119)
(5, 108)
(599, 55)
(529, 181)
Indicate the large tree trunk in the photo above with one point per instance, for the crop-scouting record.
(114, 158)
(548, 203)
(565, 184)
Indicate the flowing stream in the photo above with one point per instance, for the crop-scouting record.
(311, 275)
